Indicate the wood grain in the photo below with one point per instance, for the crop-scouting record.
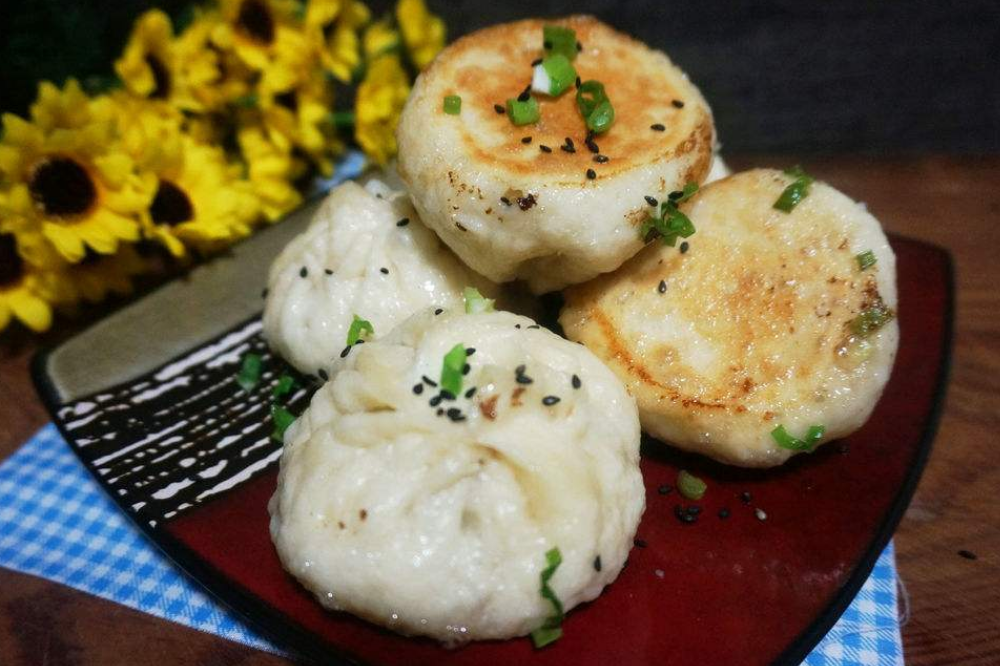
(953, 202)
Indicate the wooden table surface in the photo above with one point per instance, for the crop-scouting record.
(955, 602)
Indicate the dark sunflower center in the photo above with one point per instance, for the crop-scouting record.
(62, 187)
(161, 78)
(288, 100)
(256, 21)
(11, 264)
(171, 205)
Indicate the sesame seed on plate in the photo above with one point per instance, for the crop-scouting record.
(657, 127)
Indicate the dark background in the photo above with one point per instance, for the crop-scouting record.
(781, 75)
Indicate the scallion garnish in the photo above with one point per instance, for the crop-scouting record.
(866, 260)
(451, 369)
(871, 319)
(476, 303)
(557, 39)
(690, 486)
(796, 192)
(359, 328)
(551, 629)
(671, 223)
(553, 76)
(282, 418)
(284, 386)
(523, 113)
(452, 105)
(595, 106)
(249, 373)
(786, 441)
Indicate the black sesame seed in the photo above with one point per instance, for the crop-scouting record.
(517, 326)
(639, 543)
(576, 382)
(746, 497)
(685, 246)
(597, 563)
(383, 270)
(591, 174)
(550, 400)
(438, 311)
(323, 374)
(967, 554)
(657, 127)
(471, 392)
(469, 351)
(453, 412)
(303, 272)
(651, 200)
(694, 509)
(418, 389)
(678, 104)
(544, 149)
(505, 201)
(499, 108)
(523, 379)
(533, 326)
(435, 401)
(665, 489)
(402, 223)
(525, 139)
(601, 159)
(723, 513)
(578, 82)
(360, 342)
(427, 380)
(536, 62)
(683, 515)
(347, 350)
(466, 368)
(591, 145)
(675, 195)
(519, 370)
(567, 148)
(569, 142)
(263, 293)
(523, 97)
(662, 287)
(440, 411)
(447, 395)
(328, 271)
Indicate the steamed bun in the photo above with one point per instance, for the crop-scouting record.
(355, 258)
(434, 519)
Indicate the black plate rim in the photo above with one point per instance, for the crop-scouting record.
(288, 635)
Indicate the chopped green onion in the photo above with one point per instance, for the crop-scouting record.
(282, 419)
(451, 369)
(553, 76)
(359, 328)
(685, 194)
(284, 386)
(871, 319)
(796, 192)
(786, 441)
(557, 39)
(866, 259)
(476, 303)
(690, 486)
(523, 113)
(250, 371)
(452, 105)
(595, 106)
(550, 631)
(671, 223)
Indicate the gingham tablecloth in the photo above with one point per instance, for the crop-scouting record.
(56, 523)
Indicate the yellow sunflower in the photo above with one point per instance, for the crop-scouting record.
(423, 32)
(267, 36)
(271, 169)
(98, 276)
(301, 119)
(73, 185)
(378, 105)
(380, 37)
(27, 291)
(335, 25)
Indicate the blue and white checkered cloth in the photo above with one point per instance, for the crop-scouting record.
(56, 523)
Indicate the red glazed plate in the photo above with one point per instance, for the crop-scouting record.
(162, 425)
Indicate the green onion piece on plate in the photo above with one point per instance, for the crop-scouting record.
(451, 370)
(866, 260)
(523, 113)
(476, 303)
(690, 486)
(595, 106)
(871, 319)
(796, 192)
(786, 441)
(553, 76)
(557, 39)
(452, 105)
(249, 373)
(282, 419)
(359, 328)
(550, 631)
(284, 386)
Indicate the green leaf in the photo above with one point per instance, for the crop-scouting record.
(282, 418)
(796, 192)
(476, 303)
(250, 370)
(557, 39)
(550, 631)
(451, 370)
(595, 106)
(690, 486)
(561, 73)
(866, 260)
(787, 441)
(284, 386)
(871, 319)
(360, 328)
